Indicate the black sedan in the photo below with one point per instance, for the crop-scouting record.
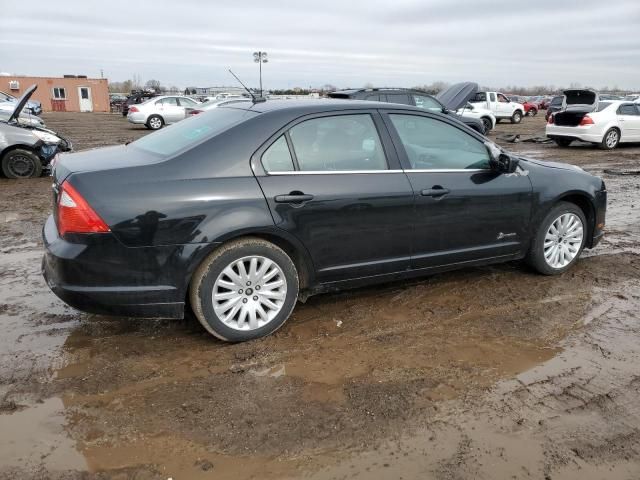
(239, 212)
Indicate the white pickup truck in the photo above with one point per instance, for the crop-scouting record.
(499, 105)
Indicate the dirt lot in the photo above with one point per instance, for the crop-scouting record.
(486, 373)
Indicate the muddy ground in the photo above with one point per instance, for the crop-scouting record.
(485, 373)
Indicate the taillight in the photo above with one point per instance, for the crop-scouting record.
(586, 120)
(75, 215)
(133, 109)
(550, 121)
(195, 112)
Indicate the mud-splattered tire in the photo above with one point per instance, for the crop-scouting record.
(611, 139)
(154, 122)
(488, 124)
(21, 163)
(543, 240)
(244, 290)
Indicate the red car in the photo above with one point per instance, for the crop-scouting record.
(530, 108)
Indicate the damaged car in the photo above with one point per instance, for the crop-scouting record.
(27, 149)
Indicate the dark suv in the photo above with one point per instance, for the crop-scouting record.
(136, 98)
(408, 97)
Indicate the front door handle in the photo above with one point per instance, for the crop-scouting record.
(293, 198)
(434, 192)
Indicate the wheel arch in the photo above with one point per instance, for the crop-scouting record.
(19, 146)
(585, 204)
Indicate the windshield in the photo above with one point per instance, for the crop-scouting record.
(192, 131)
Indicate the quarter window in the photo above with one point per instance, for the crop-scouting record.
(343, 142)
(435, 145)
(277, 158)
(59, 93)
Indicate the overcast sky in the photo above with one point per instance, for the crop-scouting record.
(345, 43)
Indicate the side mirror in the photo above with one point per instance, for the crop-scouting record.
(500, 161)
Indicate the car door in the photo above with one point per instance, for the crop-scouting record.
(334, 182)
(184, 103)
(629, 121)
(505, 107)
(464, 211)
(170, 110)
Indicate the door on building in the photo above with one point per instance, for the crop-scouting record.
(86, 103)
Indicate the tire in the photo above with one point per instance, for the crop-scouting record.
(563, 142)
(154, 122)
(236, 323)
(533, 112)
(21, 163)
(488, 124)
(516, 117)
(611, 139)
(537, 255)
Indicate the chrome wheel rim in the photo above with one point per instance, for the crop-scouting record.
(21, 166)
(249, 293)
(612, 138)
(155, 123)
(563, 240)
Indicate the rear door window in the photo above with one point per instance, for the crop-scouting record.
(338, 143)
(627, 109)
(402, 98)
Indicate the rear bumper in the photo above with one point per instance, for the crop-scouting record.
(137, 117)
(109, 278)
(585, 134)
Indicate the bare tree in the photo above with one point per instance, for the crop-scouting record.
(153, 85)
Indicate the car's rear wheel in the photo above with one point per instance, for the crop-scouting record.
(516, 117)
(610, 139)
(559, 239)
(488, 125)
(533, 112)
(563, 142)
(155, 122)
(20, 163)
(244, 290)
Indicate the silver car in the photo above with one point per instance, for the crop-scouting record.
(159, 111)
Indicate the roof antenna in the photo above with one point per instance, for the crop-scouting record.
(253, 97)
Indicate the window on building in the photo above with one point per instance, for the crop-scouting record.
(59, 93)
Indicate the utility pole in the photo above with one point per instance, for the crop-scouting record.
(260, 58)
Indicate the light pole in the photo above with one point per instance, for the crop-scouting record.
(260, 58)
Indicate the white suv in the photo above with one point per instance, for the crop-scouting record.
(159, 111)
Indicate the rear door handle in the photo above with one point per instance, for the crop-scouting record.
(293, 198)
(434, 192)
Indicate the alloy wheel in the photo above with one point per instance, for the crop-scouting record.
(612, 139)
(155, 123)
(249, 293)
(563, 240)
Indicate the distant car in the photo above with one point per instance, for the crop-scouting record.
(160, 111)
(543, 103)
(530, 107)
(411, 97)
(554, 105)
(23, 119)
(32, 106)
(211, 104)
(240, 211)
(584, 117)
(26, 149)
(135, 99)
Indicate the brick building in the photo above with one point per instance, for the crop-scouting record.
(71, 93)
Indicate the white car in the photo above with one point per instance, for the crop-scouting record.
(605, 123)
(208, 105)
(485, 116)
(159, 111)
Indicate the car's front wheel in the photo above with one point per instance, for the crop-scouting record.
(21, 163)
(244, 290)
(155, 122)
(559, 240)
(488, 125)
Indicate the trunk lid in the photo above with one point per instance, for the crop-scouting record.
(457, 96)
(580, 100)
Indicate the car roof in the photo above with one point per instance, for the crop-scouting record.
(321, 105)
(352, 91)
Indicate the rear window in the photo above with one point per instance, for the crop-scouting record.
(192, 131)
(602, 106)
